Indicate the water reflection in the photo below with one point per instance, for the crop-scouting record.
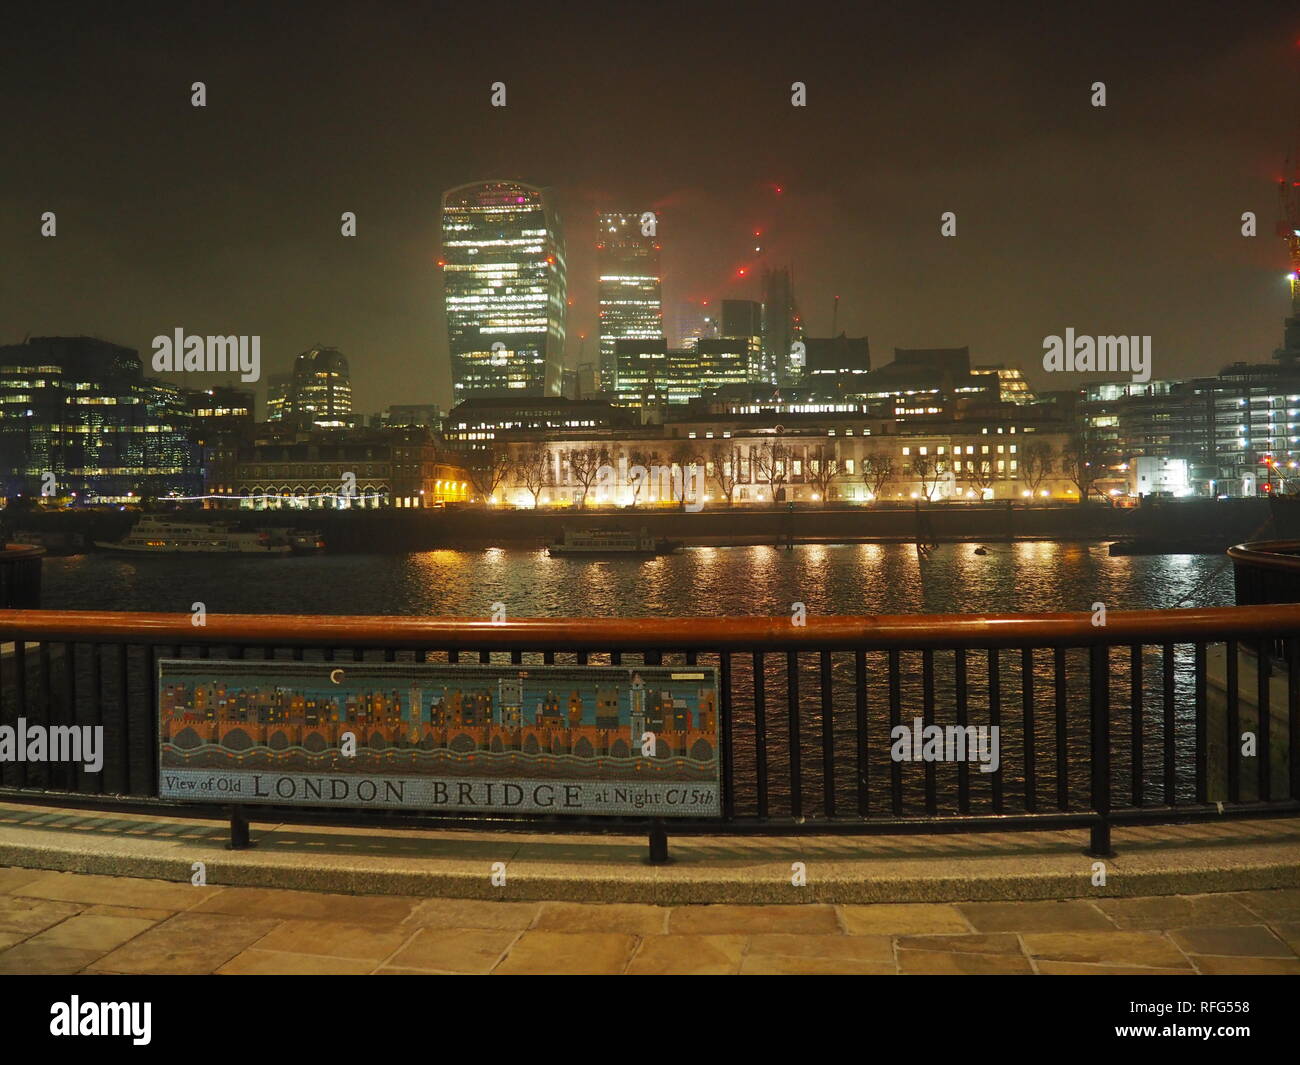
(699, 581)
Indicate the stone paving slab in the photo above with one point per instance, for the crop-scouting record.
(1154, 860)
(56, 924)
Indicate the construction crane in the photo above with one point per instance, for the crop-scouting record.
(1288, 225)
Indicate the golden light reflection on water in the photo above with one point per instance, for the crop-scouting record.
(1022, 577)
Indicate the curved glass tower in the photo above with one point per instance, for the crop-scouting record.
(504, 286)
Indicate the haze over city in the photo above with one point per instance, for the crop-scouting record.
(225, 219)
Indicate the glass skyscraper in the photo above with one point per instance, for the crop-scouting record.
(631, 303)
(504, 286)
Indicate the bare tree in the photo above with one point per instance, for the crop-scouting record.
(585, 464)
(1082, 462)
(487, 468)
(533, 468)
(685, 455)
(1036, 462)
(979, 474)
(823, 468)
(636, 481)
(726, 468)
(771, 464)
(878, 472)
(929, 470)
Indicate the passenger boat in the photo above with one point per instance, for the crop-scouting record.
(619, 542)
(163, 536)
(306, 541)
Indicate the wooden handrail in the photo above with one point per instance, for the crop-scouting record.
(21, 552)
(638, 634)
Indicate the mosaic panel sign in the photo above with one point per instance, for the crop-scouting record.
(585, 740)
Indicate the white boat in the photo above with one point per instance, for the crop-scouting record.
(610, 542)
(163, 536)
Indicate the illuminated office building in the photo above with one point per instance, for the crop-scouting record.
(631, 305)
(743, 320)
(320, 391)
(782, 327)
(504, 286)
(79, 422)
(641, 369)
(720, 362)
(1012, 385)
(277, 396)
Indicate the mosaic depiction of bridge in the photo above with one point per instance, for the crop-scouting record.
(458, 721)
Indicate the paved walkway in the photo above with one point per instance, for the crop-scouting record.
(57, 922)
(1217, 856)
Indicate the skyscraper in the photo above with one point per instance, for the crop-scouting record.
(631, 305)
(320, 391)
(504, 286)
(743, 320)
(781, 327)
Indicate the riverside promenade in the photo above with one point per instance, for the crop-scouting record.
(1195, 899)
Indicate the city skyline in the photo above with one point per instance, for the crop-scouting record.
(1135, 229)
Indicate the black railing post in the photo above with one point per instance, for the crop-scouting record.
(658, 842)
(1293, 712)
(1099, 728)
(239, 839)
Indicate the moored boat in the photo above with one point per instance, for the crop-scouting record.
(616, 542)
(306, 541)
(153, 535)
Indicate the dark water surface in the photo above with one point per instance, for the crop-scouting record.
(699, 581)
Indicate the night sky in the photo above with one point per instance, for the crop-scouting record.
(1123, 219)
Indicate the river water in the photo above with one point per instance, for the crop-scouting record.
(699, 581)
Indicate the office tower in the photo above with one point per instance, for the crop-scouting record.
(588, 381)
(631, 306)
(721, 361)
(835, 363)
(1013, 387)
(641, 369)
(743, 320)
(782, 327)
(320, 391)
(80, 421)
(277, 395)
(504, 287)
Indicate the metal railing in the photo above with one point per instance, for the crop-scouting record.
(1139, 719)
(20, 577)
